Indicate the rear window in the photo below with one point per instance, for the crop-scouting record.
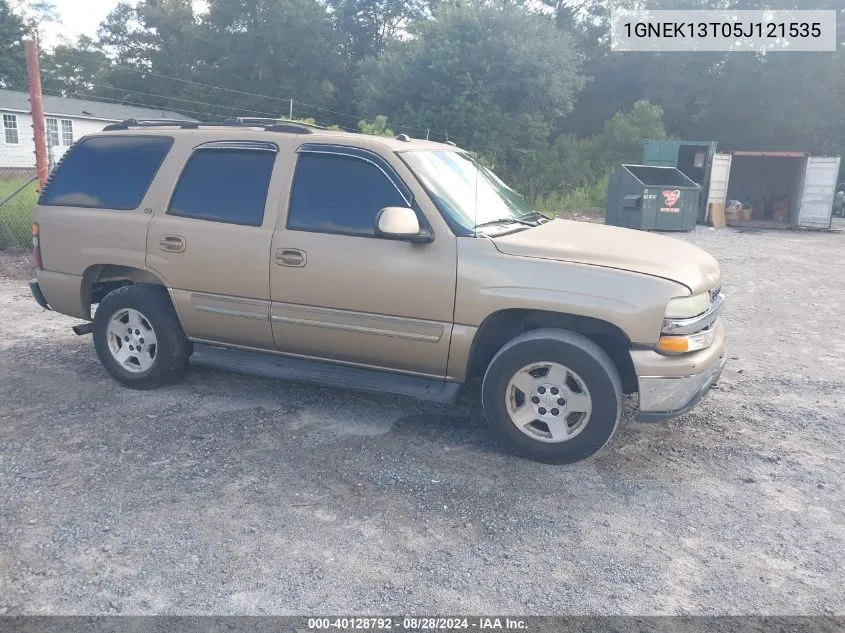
(107, 172)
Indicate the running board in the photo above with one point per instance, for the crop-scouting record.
(324, 373)
(83, 328)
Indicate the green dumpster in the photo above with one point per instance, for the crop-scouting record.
(652, 199)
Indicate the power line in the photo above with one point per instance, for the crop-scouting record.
(241, 92)
(199, 112)
(358, 118)
(119, 102)
(154, 107)
(204, 103)
(187, 81)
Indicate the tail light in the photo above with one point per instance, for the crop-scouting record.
(36, 248)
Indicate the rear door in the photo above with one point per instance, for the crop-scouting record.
(818, 192)
(211, 241)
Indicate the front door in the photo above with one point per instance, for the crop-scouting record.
(211, 244)
(341, 293)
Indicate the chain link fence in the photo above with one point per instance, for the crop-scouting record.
(18, 197)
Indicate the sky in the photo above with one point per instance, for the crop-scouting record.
(79, 17)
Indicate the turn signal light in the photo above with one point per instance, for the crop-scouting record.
(673, 344)
(691, 343)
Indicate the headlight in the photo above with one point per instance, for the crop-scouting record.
(688, 307)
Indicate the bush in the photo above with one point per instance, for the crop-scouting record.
(585, 199)
(17, 214)
(572, 171)
(378, 127)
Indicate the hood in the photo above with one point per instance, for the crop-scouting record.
(615, 247)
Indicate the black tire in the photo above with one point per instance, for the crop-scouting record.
(582, 356)
(172, 347)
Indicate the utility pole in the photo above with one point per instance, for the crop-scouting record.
(290, 111)
(36, 101)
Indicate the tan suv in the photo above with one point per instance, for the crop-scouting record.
(382, 264)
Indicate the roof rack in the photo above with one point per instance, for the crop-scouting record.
(130, 123)
(290, 128)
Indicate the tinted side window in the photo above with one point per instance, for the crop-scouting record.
(339, 194)
(224, 185)
(107, 172)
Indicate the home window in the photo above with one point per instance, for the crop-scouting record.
(67, 132)
(10, 128)
(52, 132)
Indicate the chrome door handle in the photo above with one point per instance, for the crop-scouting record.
(172, 243)
(290, 257)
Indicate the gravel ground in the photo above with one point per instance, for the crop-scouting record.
(236, 495)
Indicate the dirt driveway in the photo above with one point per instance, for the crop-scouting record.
(237, 495)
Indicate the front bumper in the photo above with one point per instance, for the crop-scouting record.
(39, 296)
(662, 398)
(672, 385)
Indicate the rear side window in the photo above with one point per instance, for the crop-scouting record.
(107, 172)
(339, 194)
(224, 185)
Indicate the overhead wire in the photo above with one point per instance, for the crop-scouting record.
(289, 102)
(204, 103)
(122, 102)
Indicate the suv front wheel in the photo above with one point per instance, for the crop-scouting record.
(138, 337)
(553, 396)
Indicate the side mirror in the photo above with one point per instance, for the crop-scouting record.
(400, 223)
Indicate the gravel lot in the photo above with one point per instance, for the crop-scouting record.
(236, 495)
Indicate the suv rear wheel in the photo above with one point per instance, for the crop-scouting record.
(553, 396)
(138, 337)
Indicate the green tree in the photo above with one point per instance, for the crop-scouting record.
(622, 136)
(365, 26)
(494, 78)
(571, 162)
(74, 70)
(280, 48)
(12, 63)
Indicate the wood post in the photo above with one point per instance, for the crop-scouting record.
(36, 101)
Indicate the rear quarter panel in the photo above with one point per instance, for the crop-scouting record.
(73, 239)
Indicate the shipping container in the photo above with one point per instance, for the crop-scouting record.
(776, 189)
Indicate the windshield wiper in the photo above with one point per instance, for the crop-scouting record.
(504, 221)
(534, 215)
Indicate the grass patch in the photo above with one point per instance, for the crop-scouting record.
(17, 214)
(589, 199)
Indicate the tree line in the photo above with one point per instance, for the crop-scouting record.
(532, 87)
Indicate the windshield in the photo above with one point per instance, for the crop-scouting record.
(469, 193)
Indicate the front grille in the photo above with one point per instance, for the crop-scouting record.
(715, 292)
